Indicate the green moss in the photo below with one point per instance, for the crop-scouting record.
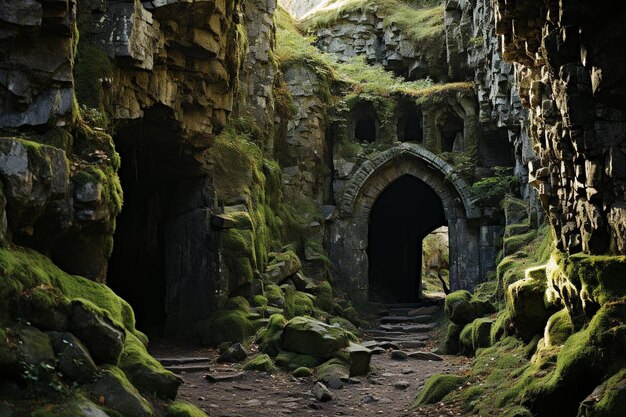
(514, 243)
(184, 409)
(451, 342)
(501, 327)
(516, 229)
(324, 299)
(611, 401)
(237, 303)
(466, 342)
(344, 324)
(269, 339)
(490, 191)
(462, 308)
(527, 307)
(293, 361)
(91, 66)
(274, 295)
(437, 387)
(298, 303)
(261, 363)
(558, 328)
(302, 372)
(28, 269)
(259, 301)
(224, 326)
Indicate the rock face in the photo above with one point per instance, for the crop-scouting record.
(366, 32)
(569, 68)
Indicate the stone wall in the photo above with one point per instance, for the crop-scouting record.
(569, 67)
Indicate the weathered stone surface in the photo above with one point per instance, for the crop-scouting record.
(311, 337)
(321, 392)
(359, 358)
(103, 338)
(115, 392)
(74, 359)
(235, 353)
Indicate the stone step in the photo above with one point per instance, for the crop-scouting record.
(182, 361)
(187, 369)
(421, 311)
(411, 328)
(406, 319)
(375, 333)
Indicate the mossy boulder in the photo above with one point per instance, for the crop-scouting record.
(261, 363)
(259, 301)
(281, 266)
(292, 360)
(184, 409)
(44, 307)
(71, 407)
(302, 372)
(324, 297)
(34, 347)
(501, 327)
(344, 324)
(333, 370)
(297, 303)
(225, 326)
(275, 296)
(237, 303)
(462, 308)
(527, 308)
(606, 400)
(437, 387)
(451, 342)
(103, 337)
(466, 343)
(270, 338)
(113, 390)
(311, 337)
(558, 328)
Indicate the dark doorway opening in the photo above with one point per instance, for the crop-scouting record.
(402, 216)
(365, 130)
(410, 125)
(451, 130)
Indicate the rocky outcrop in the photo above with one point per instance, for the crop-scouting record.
(372, 33)
(569, 68)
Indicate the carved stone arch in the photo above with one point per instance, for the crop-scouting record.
(349, 234)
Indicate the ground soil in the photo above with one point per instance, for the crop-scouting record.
(262, 395)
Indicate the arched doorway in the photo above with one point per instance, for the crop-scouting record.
(402, 216)
(365, 130)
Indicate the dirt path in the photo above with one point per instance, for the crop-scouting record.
(388, 390)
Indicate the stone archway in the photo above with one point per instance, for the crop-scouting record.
(348, 239)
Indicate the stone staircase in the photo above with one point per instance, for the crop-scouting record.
(404, 326)
(185, 365)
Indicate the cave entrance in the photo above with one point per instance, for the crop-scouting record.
(137, 265)
(365, 130)
(402, 216)
(451, 130)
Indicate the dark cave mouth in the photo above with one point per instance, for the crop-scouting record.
(403, 215)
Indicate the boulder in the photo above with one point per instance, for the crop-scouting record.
(184, 409)
(35, 347)
(74, 360)
(270, 338)
(103, 338)
(282, 266)
(292, 360)
(261, 363)
(79, 407)
(234, 353)
(333, 373)
(113, 390)
(437, 387)
(311, 337)
(359, 359)
(321, 392)
(462, 308)
(302, 372)
(527, 307)
(558, 329)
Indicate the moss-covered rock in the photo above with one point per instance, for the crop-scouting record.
(275, 296)
(237, 303)
(297, 303)
(462, 308)
(451, 342)
(558, 328)
(302, 372)
(437, 387)
(145, 372)
(225, 326)
(292, 360)
(73, 358)
(282, 266)
(466, 343)
(269, 338)
(481, 333)
(113, 390)
(184, 409)
(501, 327)
(333, 370)
(261, 363)
(344, 324)
(359, 359)
(527, 308)
(311, 337)
(324, 298)
(606, 400)
(259, 301)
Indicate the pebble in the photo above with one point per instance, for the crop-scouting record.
(399, 355)
(402, 385)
